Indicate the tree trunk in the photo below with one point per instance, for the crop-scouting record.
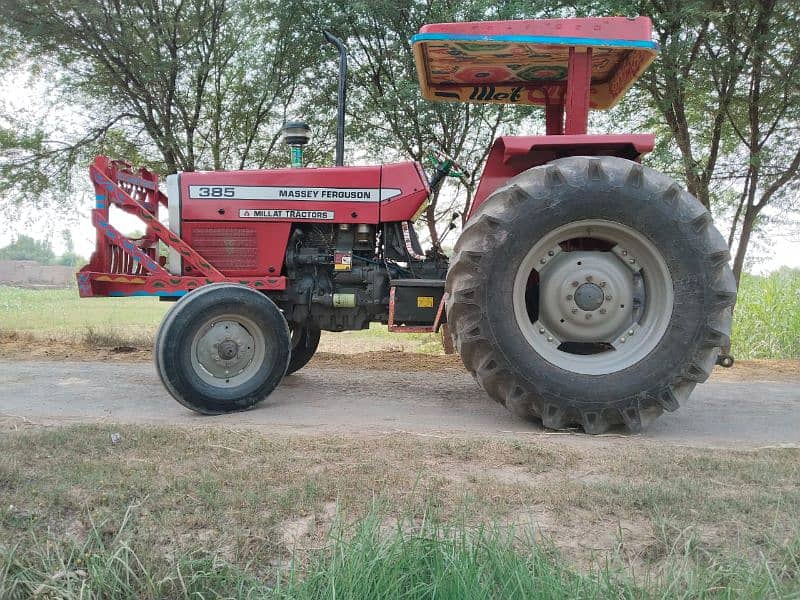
(430, 217)
(744, 240)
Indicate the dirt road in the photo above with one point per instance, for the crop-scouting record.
(720, 413)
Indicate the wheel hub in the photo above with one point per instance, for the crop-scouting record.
(585, 297)
(589, 296)
(228, 349)
(596, 311)
(225, 349)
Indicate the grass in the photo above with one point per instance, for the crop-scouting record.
(430, 560)
(766, 323)
(190, 512)
(767, 317)
(63, 314)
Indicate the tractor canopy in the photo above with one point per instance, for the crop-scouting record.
(529, 61)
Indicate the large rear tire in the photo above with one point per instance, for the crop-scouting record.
(222, 348)
(590, 291)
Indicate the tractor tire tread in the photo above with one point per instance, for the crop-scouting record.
(484, 357)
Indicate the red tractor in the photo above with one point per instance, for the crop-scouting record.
(585, 289)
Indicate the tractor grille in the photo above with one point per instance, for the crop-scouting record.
(227, 248)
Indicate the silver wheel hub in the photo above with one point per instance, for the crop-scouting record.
(223, 350)
(589, 296)
(585, 296)
(598, 311)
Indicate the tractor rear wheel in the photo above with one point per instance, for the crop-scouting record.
(222, 348)
(590, 291)
(305, 339)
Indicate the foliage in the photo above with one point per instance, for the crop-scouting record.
(767, 319)
(27, 248)
(175, 85)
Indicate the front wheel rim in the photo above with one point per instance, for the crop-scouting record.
(593, 297)
(228, 350)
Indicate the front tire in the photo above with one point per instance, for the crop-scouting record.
(590, 291)
(223, 348)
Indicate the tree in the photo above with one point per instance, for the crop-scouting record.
(764, 114)
(725, 90)
(177, 85)
(388, 116)
(27, 248)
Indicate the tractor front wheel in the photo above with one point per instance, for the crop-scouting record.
(222, 348)
(590, 291)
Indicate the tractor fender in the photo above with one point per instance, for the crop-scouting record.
(511, 155)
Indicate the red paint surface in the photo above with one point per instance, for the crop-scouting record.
(579, 79)
(240, 248)
(620, 28)
(195, 209)
(409, 177)
(510, 156)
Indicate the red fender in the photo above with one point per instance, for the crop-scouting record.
(511, 155)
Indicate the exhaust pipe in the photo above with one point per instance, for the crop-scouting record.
(341, 98)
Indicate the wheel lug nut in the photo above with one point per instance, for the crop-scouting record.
(574, 311)
(549, 338)
(550, 253)
(608, 297)
(603, 311)
(624, 253)
(542, 260)
(574, 284)
(631, 260)
(622, 340)
(541, 330)
(569, 296)
(589, 278)
(630, 332)
(602, 284)
(588, 316)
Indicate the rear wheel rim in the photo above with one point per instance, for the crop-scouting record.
(593, 297)
(228, 350)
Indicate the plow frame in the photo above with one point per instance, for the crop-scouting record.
(125, 266)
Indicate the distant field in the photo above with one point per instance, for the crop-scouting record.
(62, 314)
(767, 322)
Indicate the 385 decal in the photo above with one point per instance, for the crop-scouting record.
(214, 191)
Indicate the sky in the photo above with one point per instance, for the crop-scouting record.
(780, 248)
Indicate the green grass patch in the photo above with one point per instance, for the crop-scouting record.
(63, 314)
(766, 322)
(422, 559)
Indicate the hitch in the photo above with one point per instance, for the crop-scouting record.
(725, 360)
